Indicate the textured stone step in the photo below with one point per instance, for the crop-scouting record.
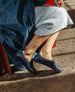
(69, 1)
(64, 47)
(47, 81)
(66, 34)
(70, 6)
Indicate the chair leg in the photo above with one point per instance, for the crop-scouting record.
(4, 60)
(7, 61)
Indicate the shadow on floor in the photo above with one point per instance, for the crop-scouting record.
(23, 75)
(72, 15)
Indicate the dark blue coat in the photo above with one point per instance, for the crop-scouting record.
(17, 18)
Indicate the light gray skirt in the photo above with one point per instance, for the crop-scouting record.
(50, 19)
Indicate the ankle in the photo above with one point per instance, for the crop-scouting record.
(28, 58)
(45, 52)
(46, 55)
(27, 52)
(28, 55)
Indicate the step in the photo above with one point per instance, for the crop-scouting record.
(70, 6)
(64, 47)
(46, 81)
(66, 34)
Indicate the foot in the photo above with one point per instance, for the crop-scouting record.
(28, 56)
(50, 63)
(26, 63)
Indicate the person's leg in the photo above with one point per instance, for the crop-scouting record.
(45, 57)
(36, 42)
(34, 45)
(47, 47)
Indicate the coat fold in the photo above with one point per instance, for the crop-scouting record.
(17, 18)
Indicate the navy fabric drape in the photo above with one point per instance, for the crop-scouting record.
(17, 18)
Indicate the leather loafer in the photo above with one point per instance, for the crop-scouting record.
(50, 63)
(27, 64)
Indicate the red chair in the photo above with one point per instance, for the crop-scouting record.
(4, 64)
(54, 45)
(49, 2)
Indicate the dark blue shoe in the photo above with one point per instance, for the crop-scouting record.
(28, 65)
(50, 63)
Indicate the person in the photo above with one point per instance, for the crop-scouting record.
(49, 21)
(17, 18)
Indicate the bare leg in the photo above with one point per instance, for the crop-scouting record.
(36, 42)
(46, 53)
(33, 46)
(47, 47)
